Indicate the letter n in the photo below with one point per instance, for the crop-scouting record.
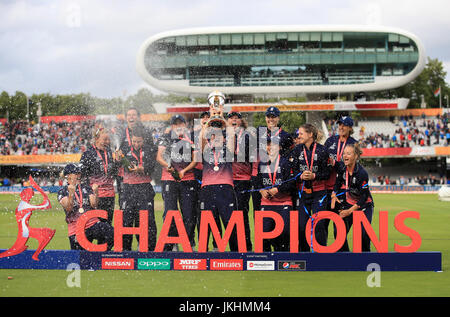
(359, 218)
(120, 230)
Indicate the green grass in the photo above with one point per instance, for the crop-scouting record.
(433, 227)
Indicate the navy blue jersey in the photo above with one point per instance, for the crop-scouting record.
(335, 149)
(125, 135)
(144, 157)
(99, 168)
(278, 136)
(356, 185)
(333, 144)
(80, 200)
(217, 168)
(276, 173)
(320, 164)
(245, 153)
(178, 153)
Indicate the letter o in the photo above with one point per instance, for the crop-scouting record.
(340, 227)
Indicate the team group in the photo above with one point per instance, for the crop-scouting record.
(215, 167)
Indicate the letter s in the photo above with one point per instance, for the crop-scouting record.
(416, 239)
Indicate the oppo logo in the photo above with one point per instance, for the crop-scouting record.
(153, 264)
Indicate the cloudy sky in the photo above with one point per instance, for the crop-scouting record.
(73, 46)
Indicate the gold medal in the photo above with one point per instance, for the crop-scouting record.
(81, 210)
(216, 168)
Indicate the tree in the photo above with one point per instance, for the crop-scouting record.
(424, 85)
(290, 121)
(143, 100)
(5, 104)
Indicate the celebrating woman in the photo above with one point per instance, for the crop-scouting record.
(353, 181)
(310, 161)
(100, 166)
(217, 190)
(274, 179)
(76, 198)
(335, 145)
(179, 187)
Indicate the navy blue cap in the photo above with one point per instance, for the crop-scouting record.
(347, 121)
(272, 111)
(205, 113)
(72, 169)
(234, 113)
(176, 117)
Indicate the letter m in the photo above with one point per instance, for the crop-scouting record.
(207, 220)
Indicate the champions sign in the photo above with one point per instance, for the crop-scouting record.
(207, 223)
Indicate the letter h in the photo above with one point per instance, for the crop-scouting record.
(120, 230)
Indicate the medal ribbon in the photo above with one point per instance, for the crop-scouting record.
(185, 138)
(312, 157)
(128, 137)
(216, 158)
(139, 160)
(238, 138)
(339, 151)
(79, 198)
(273, 176)
(105, 161)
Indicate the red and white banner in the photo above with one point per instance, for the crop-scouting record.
(417, 151)
(395, 104)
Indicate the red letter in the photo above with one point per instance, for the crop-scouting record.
(293, 235)
(120, 230)
(260, 235)
(416, 240)
(341, 232)
(207, 220)
(380, 245)
(164, 234)
(80, 234)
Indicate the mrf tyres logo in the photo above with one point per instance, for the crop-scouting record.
(291, 265)
(189, 264)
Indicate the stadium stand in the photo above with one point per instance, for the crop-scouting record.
(384, 133)
(25, 138)
(403, 131)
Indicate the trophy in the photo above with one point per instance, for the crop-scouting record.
(216, 101)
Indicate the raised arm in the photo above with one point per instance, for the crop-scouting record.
(46, 202)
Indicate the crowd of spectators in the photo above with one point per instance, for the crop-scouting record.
(410, 132)
(42, 181)
(28, 138)
(430, 180)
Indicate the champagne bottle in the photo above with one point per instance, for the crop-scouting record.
(125, 163)
(174, 173)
